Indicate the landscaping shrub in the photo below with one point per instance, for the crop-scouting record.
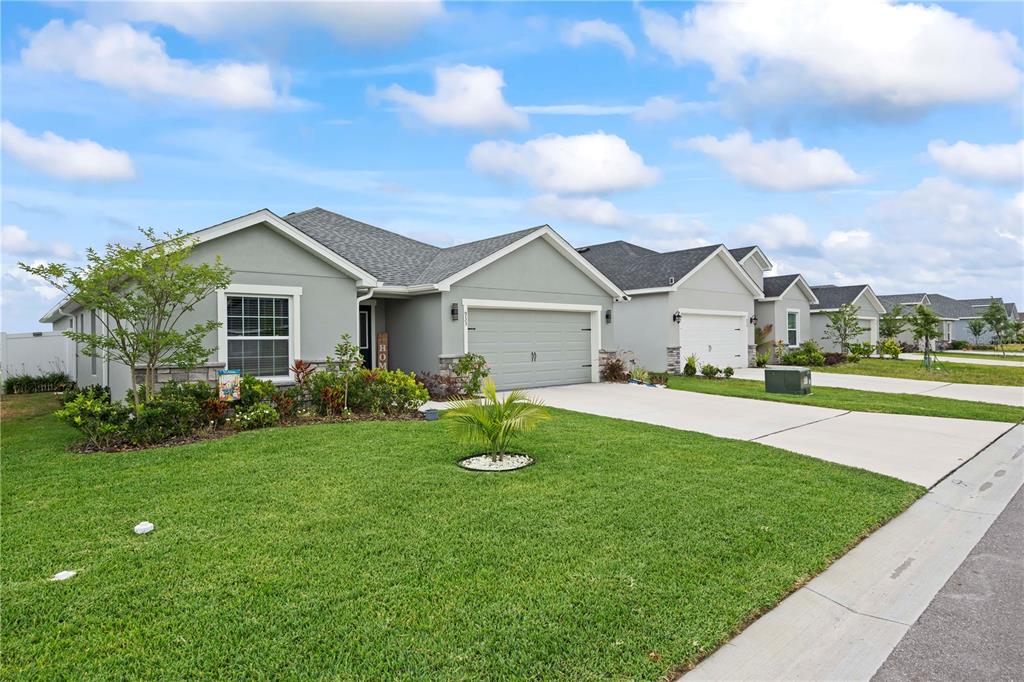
(286, 401)
(890, 348)
(440, 386)
(690, 368)
(808, 354)
(390, 392)
(197, 393)
(163, 418)
(710, 371)
(615, 370)
(909, 347)
(659, 378)
(728, 372)
(834, 359)
(93, 391)
(471, 369)
(214, 411)
(762, 359)
(640, 374)
(253, 391)
(256, 416)
(103, 423)
(859, 351)
(959, 345)
(27, 383)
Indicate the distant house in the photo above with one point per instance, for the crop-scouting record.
(831, 297)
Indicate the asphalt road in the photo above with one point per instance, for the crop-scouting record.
(974, 627)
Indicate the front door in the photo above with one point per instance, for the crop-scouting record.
(366, 334)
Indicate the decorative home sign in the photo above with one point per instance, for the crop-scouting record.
(382, 350)
(229, 384)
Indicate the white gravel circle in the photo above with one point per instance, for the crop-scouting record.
(506, 463)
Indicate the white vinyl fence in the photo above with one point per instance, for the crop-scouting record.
(36, 353)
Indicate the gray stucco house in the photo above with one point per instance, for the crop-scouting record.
(787, 307)
(527, 301)
(698, 301)
(831, 297)
(956, 314)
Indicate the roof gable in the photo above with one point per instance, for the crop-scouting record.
(831, 297)
(746, 252)
(777, 287)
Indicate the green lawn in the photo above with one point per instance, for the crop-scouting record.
(861, 401)
(360, 551)
(982, 356)
(950, 372)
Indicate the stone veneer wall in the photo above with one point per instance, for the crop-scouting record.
(165, 375)
(751, 355)
(673, 360)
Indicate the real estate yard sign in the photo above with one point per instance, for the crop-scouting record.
(229, 384)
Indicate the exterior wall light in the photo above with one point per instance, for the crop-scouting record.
(753, 319)
(455, 312)
(677, 317)
(608, 316)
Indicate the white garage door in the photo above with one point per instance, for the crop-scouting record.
(720, 340)
(529, 348)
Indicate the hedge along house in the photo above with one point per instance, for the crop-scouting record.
(831, 298)
(526, 301)
(698, 301)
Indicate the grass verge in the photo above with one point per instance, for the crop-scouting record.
(360, 550)
(860, 401)
(950, 372)
(982, 356)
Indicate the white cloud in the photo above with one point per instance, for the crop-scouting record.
(119, 56)
(867, 54)
(782, 231)
(845, 241)
(599, 31)
(592, 210)
(578, 164)
(66, 159)
(662, 108)
(580, 109)
(464, 97)
(657, 108)
(783, 165)
(993, 162)
(359, 23)
(15, 241)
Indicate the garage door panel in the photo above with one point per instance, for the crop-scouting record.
(716, 339)
(527, 348)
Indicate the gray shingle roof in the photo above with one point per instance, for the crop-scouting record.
(391, 257)
(889, 300)
(633, 267)
(948, 308)
(775, 286)
(740, 253)
(831, 296)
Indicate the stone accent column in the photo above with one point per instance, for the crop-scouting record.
(445, 362)
(673, 360)
(751, 355)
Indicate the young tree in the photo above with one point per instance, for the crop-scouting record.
(998, 322)
(892, 323)
(346, 360)
(925, 326)
(977, 328)
(843, 327)
(140, 293)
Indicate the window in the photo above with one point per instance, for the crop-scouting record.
(92, 330)
(792, 327)
(258, 335)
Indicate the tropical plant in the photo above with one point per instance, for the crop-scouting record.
(138, 295)
(471, 369)
(892, 323)
(690, 368)
(843, 326)
(977, 328)
(494, 422)
(780, 350)
(762, 359)
(302, 370)
(614, 370)
(640, 374)
(925, 326)
(763, 338)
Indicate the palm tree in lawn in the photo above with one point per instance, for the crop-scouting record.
(494, 422)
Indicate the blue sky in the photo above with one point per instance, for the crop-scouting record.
(856, 142)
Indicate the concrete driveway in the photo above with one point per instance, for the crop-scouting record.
(921, 450)
(1003, 395)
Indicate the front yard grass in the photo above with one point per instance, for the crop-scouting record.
(360, 551)
(949, 372)
(861, 401)
(982, 356)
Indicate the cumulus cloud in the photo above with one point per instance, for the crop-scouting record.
(594, 163)
(464, 97)
(360, 23)
(870, 54)
(66, 159)
(782, 231)
(783, 165)
(599, 31)
(121, 57)
(992, 162)
(15, 241)
(845, 241)
(661, 108)
(592, 210)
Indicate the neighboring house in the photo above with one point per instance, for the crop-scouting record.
(787, 307)
(908, 304)
(974, 309)
(831, 298)
(527, 301)
(698, 301)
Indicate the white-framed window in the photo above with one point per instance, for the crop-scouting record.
(793, 327)
(259, 329)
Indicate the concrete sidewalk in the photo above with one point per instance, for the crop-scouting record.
(921, 450)
(967, 361)
(1003, 395)
(845, 623)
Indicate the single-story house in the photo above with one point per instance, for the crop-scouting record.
(908, 304)
(695, 301)
(831, 297)
(527, 301)
(787, 307)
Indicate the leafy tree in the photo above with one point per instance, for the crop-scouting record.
(843, 327)
(347, 359)
(925, 326)
(493, 422)
(140, 293)
(892, 323)
(998, 322)
(977, 328)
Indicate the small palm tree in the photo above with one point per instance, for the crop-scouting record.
(493, 422)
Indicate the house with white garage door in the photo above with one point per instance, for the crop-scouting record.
(695, 301)
(785, 307)
(527, 301)
(831, 297)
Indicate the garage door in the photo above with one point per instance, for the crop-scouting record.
(529, 348)
(716, 339)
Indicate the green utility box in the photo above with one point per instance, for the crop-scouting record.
(792, 380)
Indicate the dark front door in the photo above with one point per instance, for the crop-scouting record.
(366, 335)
